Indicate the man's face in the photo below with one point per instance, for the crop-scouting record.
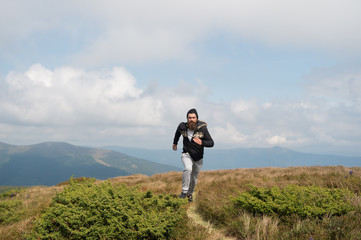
(192, 117)
(192, 121)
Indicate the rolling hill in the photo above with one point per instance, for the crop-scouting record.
(54, 162)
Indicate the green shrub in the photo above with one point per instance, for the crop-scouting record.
(305, 201)
(10, 211)
(10, 193)
(90, 211)
(8, 190)
(73, 180)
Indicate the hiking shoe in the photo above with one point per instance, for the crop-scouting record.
(190, 198)
(183, 195)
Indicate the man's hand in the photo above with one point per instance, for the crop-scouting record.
(174, 147)
(197, 140)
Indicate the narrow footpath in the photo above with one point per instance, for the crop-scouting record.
(216, 234)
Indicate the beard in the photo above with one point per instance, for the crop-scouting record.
(192, 125)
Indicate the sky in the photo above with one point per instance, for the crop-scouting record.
(260, 73)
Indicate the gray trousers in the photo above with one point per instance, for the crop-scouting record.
(190, 173)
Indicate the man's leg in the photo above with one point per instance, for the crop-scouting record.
(197, 165)
(187, 162)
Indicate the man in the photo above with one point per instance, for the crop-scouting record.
(195, 138)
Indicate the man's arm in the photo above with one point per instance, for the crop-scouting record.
(176, 139)
(207, 140)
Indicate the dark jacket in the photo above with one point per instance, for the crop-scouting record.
(195, 151)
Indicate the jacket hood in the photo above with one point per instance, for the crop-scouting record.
(201, 124)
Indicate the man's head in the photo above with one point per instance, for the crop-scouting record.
(192, 117)
(193, 110)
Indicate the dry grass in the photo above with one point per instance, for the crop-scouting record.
(266, 227)
(216, 188)
(34, 200)
(196, 219)
(239, 179)
(165, 183)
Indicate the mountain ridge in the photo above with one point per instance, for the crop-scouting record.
(50, 163)
(244, 157)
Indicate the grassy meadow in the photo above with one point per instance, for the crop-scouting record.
(217, 202)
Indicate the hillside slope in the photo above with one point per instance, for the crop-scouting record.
(53, 162)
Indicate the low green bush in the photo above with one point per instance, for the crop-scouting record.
(10, 211)
(73, 180)
(305, 201)
(89, 211)
(11, 192)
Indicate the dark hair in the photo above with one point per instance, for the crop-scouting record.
(193, 110)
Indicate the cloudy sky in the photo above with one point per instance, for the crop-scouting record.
(260, 73)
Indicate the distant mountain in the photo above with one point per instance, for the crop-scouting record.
(53, 162)
(163, 156)
(243, 157)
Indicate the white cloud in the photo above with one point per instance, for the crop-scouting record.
(170, 29)
(134, 46)
(38, 74)
(68, 95)
(113, 32)
(106, 107)
(70, 104)
(245, 110)
(338, 84)
(228, 135)
(76, 104)
(276, 140)
(294, 124)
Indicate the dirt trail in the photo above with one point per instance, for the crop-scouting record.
(216, 234)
